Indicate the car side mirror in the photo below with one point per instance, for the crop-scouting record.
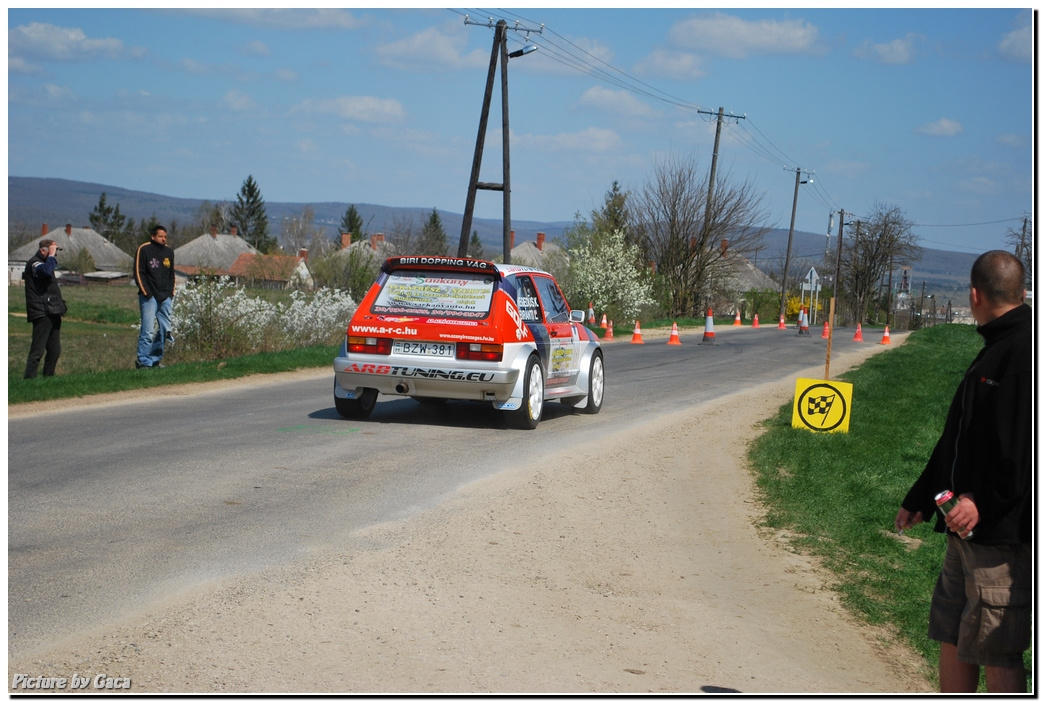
(578, 316)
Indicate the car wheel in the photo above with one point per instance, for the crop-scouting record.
(595, 399)
(358, 408)
(530, 411)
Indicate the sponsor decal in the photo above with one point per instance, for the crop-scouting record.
(398, 331)
(514, 314)
(467, 263)
(431, 373)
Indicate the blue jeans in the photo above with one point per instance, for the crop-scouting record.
(155, 329)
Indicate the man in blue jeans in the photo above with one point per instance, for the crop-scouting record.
(154, 274)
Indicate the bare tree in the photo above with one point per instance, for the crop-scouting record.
(404, 235)
(880, 242)
(300, 233)
(1021, 239)
(688, 252)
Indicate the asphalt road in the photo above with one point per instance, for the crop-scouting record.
(114, 507)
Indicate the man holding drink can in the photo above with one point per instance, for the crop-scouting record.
(982, 602)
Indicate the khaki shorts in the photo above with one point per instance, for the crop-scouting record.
(982, 602)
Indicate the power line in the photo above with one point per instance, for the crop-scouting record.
(973, 224)
(575, 57)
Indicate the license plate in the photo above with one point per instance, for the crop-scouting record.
(424, 348)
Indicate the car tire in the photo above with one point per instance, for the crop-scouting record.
(358, 408)
(595, 398)
(527, 416)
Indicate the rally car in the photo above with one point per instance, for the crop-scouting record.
(442, 328)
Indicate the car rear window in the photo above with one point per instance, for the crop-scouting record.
(451, 294)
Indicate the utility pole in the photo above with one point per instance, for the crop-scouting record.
(791, 232)
(702, 245)
(838, 258)
(498, 54)
(712, 172)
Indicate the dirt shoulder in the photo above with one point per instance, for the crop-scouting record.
(631, 566)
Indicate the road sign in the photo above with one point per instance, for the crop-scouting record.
(822, 405)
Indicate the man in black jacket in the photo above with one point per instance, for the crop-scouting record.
(44, 308)
(982, 602)
(154, 275)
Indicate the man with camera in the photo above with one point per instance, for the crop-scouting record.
(44, 308)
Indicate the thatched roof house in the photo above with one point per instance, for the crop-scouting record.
(211, 253)
(108, 257)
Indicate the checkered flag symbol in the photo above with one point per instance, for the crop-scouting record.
(820, 404)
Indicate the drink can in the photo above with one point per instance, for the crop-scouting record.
(946, 501)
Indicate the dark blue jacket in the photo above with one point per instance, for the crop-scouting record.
(42, 293)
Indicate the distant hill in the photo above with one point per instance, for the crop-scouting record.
(57, 202)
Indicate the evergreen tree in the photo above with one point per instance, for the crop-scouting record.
(432, 239)
(352, 223)
(250, 216)
(474, 248)
(110, 223)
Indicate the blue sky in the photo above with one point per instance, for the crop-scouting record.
(927, 110)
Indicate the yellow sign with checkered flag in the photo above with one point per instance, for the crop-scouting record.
(822, 405)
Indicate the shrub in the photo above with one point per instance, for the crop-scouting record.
(216, 319)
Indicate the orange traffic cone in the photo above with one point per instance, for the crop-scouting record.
(755, 321)
(591, 315)
(780, 325)
(710, 329)
(737, 319)
(637, 335)
(827, 332)
(603, 322)
(859, 336)
(674, 337)
(804, 322)
(885, 336)
(610, 332)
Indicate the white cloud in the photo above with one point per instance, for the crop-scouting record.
(732, 37)
(1017, 45)
(47, 42)
(256, 48)
(978, 186)
(617, 102)
(319, 18)
(897, 51)
(589, 140)
(671, 64)
(286, 75)
(238, 101)
(432, 49)
(357, 108)
(847, 169)
(1014, 140)
(941, 128)
(194, 67)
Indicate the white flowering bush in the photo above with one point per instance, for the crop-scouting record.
(214, 318)
(606, 271)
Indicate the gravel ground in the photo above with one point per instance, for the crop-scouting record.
(629, 566)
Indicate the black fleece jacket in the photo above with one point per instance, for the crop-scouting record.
(985, 448)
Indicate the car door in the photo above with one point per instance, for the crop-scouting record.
(562, 364)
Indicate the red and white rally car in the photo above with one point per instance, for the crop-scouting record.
(463, 329)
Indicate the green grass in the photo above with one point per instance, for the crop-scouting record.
(838, 494)
(99, 347)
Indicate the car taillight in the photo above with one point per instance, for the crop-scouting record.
(368, 344)
(478, 352)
